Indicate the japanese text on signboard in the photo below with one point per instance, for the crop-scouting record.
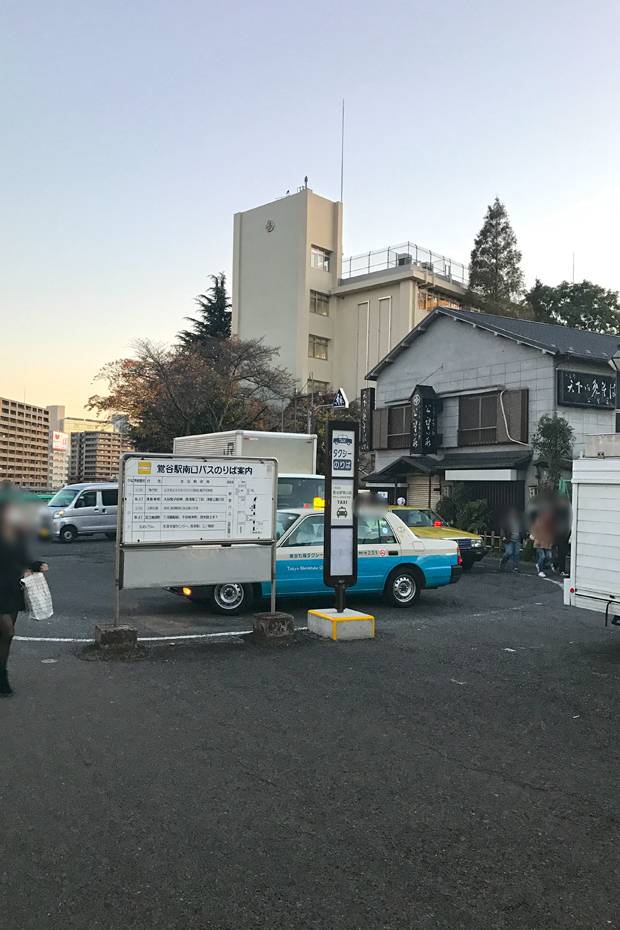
(576, 389)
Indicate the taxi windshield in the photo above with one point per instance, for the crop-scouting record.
(415, 518)
(284, 521)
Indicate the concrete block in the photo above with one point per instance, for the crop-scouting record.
(109, 635)
(351, 624)
(273, 625)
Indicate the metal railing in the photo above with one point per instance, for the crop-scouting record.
(401, 257)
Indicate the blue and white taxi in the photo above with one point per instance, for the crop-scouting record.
(391, 561)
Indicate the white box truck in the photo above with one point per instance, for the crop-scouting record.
(298, 483)
(594, 582)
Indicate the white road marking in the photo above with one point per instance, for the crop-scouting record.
(141, 639)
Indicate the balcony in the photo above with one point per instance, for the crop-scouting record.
(407, 256)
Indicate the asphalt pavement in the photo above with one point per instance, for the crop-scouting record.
(458, 771)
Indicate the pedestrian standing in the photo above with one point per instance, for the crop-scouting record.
(563, 519)
(512, 534)
(15, 564)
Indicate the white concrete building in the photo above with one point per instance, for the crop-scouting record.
(333, 319)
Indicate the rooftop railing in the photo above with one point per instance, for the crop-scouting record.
(401, 257)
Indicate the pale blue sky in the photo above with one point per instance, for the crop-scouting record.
(132, 130)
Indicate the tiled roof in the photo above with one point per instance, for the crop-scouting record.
(557, 340)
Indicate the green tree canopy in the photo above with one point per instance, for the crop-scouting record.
(214, 316)
(495, 276)
(583, 306)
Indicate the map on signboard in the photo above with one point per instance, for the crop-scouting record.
(168, 499)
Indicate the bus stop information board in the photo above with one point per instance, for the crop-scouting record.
(340, 559)
(175, 500)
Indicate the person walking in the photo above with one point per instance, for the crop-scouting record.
(543, 532)
(512, 535)
(15, 564)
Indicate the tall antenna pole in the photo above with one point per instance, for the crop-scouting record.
(342, 155)
(573, 267)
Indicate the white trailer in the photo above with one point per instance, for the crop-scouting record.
(298, 483)
(594, 582)
(295, 452)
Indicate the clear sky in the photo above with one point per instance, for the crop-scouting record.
(132, 131)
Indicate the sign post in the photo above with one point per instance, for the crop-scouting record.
(340, 547)
(340, 551)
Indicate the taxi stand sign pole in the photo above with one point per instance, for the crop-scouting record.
(142, 569)
(341, 480)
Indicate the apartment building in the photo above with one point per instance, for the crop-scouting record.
(61, 428)
(24, 444)
(332, 318)
(95, 456)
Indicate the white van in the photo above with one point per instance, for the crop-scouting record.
(83, 510)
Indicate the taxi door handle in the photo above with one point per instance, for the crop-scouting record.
(393, 552)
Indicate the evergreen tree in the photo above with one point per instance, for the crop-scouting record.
(580, 305)
(553, 440)
(495, 278)
(214, 315)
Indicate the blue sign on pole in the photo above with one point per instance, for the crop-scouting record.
(340, 401)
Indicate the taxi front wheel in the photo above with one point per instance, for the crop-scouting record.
(402, 588)
(232, 597)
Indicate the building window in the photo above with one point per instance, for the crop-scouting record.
(319, 387)
(399, 427)
(317, 347)
(319, 303)
(319, 258)
(477, 420)
(428, 301)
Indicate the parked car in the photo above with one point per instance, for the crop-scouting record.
(83, 510)
(392, 561)
(427, 524)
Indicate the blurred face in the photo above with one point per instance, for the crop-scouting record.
(17, 517)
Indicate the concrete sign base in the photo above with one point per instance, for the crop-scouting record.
(350, 624)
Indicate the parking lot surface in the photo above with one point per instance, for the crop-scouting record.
(458, 771)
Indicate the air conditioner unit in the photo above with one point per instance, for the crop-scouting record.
(427, 266)
(403, 259)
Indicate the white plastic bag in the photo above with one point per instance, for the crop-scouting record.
(37, 596)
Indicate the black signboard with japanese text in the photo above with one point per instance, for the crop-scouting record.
(367, 405)
(425, 406)
(576, 389)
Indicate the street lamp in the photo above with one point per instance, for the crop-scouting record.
(614, 360)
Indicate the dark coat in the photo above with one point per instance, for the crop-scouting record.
(14, 560)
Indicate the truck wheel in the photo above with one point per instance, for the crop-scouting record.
(67, 534)
(402, 588)
(231, 597)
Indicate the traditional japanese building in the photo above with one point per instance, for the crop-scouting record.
(460, 397)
